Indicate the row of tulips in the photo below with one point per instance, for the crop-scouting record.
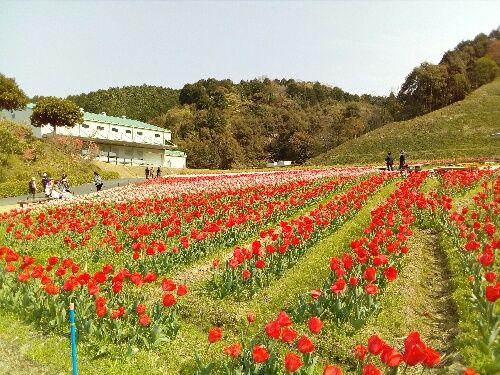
(359, 277)
(277, 249)
(474, 234)
(457, 181)
(260, 355)
(112, 304)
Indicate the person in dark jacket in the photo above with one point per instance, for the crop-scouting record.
(158, 172)
(146, 172)
(402, 160)
(32, 187)
(389, 160)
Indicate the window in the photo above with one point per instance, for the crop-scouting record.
(128, 131)
(157, 135)
(86, 126)
(139, 133)
(100, 128)
(114, 130)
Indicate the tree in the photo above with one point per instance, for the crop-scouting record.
(423, 89)
(56, 112)
(11, 96)
(484, 71)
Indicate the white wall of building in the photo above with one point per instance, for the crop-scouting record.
(175, 162)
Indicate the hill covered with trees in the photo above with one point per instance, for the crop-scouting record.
(461, 130)
(221, 124)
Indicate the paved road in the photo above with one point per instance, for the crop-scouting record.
(78, 190)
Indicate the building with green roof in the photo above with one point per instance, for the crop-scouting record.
(120, 140)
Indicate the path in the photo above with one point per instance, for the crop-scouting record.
(78, 190)
(421, 299)
(14, 362)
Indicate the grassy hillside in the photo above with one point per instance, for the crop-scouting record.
(460, 130)
(22, 156)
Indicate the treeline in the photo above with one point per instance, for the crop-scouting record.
(469, 65)
(136, 102)
(224, 125)
(221, 124)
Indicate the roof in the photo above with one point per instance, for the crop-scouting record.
(95, 117)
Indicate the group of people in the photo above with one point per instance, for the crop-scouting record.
(389, 160)
(150, 173)
(59, 189)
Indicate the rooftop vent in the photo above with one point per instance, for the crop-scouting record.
(124, 116)
(103, 113)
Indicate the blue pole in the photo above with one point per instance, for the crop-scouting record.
(73, 338)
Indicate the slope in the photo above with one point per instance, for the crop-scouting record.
(23, 156)
(461, 130)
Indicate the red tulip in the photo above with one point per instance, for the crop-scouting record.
(332, 370)
(283, 319)
(168, 300)
(273, 329)
(315, 293)
(433, 358)
(215, 334)
(375, 344)
(470, 371)
(371, 369)
(315, 324)
(251, 317)
(305, 345)
(360, 352)
(293, 362)
(288, 334)
(168, 285)
(390, 356)
(181, 290)
(233, 350)
(144, 320)
(260, 354)
(391, 273)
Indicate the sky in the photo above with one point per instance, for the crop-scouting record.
(68, 47)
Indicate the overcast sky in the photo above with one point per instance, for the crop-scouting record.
(69, 47)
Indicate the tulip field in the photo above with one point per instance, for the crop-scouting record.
(318, 271)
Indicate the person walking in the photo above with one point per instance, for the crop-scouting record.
(98, 181)
(158, 172)
(151, 172)
(389, 160)
(146, 172)
(32, 187)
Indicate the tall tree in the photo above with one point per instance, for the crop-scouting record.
(56, 112)
(423, 89)
(11, 96)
